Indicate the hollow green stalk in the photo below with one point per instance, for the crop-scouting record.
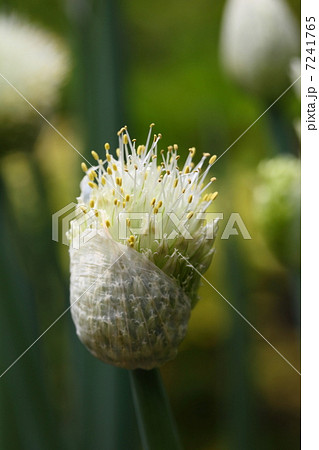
(155, 419)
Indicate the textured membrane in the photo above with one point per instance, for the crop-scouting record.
(126, 311)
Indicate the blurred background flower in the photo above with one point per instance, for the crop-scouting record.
(258, 39)
(134, 63)
(278, 200)
(34, 62)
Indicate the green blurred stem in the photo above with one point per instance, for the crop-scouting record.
(155, 420)
(282, 131)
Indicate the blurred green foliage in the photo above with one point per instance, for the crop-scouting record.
(228, 388)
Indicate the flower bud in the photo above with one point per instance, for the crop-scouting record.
(144, 244)
(277, 206)
(258, 39)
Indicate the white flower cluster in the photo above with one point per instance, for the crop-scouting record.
(172, 200)
(131, 296)
(34, 62)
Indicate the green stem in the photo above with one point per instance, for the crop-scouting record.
(155, 420)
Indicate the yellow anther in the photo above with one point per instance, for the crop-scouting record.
(95, 155)
(155, 210)
(212, 159)
(121, 189)
(159, 204)
(168, 172)
(124, 204)
(132, 238)
(135, 166)
(190, 215)
(213, 196)
(159, 136)
(113, 191)
(183, 191)
(107, 146)
(205, 198)
(189, 181)
(115, 201)
(175, 146)
(84, 167)
(118, 152)
(192, 151)
(103, 181)
(114, 167)
(154, 157)
(128, 222)
(131, 244)
(92, 203)
(108, 157)
(91, 175)
(177, 157)
(175, 182)
(127, 198)
(170, 148)
(153, 201)
(107, 222)
(92, 185)
(206, 155)
(125, 139)
(109, 171)
(83, 209)
(96, 213)
(152, 125)
(213, 179)
(190, 199)
(191, 165)
(117, 180)
(187, 169)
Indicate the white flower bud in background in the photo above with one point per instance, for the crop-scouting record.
(258, 40)
(294, 73)
(136, 313)
(277, 207)
(36, 63)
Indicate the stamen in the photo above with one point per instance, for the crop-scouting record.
(95, 155)
(212, 159)
(84, 167)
